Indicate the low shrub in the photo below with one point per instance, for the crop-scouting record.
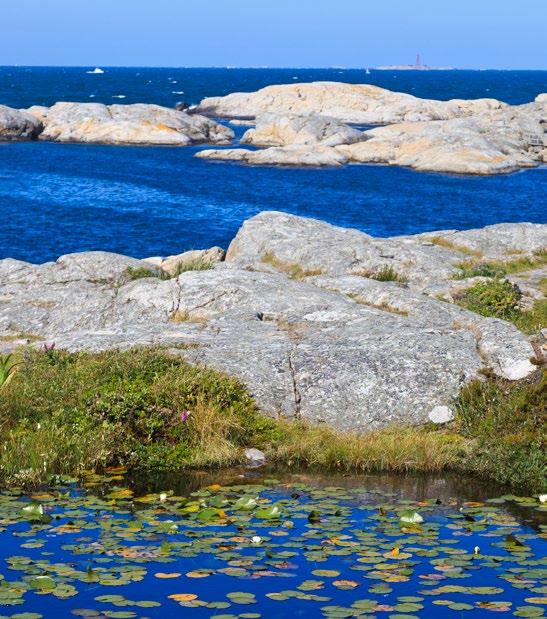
(499, 298)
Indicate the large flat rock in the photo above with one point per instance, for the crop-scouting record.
(140, 123)
(349, 103)
(324, 342)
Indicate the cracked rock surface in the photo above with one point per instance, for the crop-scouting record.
(293, 313)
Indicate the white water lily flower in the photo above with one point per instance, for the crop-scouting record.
(411, 517)
(256, 539)
(542, 498)
(163, 496)
(477, 550)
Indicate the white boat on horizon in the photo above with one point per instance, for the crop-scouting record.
(96, 71)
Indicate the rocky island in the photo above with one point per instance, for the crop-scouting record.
(316, 124)
(95, 123)
(307, 124)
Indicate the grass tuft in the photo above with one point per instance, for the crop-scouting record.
(443, 241)
(386, 273)
(134, 273)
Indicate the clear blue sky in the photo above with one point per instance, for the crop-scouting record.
(277, 33)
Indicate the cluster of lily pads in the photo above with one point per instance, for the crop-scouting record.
(253, 550)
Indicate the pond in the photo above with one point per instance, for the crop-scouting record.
(249, 544)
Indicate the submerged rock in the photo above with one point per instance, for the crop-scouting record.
(293, 313)
(127, 124)
(349, 103)
(18, 124)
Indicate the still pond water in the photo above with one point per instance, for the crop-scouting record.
(242, 545)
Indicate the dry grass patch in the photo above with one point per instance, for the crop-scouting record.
(442, 241)
(500, 268)
(186, 316)
(384, 307)
(397, 450)
(292, 269)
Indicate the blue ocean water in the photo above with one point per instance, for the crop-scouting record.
(141, 201)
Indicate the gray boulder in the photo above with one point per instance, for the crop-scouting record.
(18, 124)
(319, 342)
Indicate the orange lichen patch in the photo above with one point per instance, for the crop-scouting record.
(162, 127)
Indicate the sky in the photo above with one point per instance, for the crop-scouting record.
(504, 34)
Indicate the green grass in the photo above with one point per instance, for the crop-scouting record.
(133, 273)
(386, 273)
(476, 268)
(500, 298)
(506, 422)
(64, 413)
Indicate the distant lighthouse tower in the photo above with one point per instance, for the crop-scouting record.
(418, 61)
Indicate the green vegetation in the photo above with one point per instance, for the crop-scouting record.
(507, 422)
(476, 268)
(65, 413)
(8, 367)
(291, 269)
(501, 299)
(385, 273)
(389, 274)
(133, 273)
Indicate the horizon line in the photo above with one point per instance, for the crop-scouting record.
(265, 67)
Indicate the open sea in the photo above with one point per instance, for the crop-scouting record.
(143, 201)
